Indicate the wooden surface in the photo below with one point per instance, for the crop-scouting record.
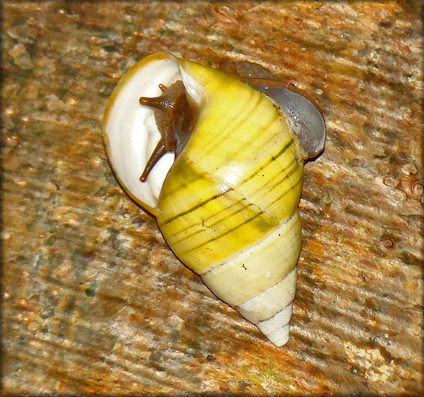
(93, 299)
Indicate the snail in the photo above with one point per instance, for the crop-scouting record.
(219, 163)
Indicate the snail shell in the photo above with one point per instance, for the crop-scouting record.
(226, 195)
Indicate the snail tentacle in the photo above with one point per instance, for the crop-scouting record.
(175, 115)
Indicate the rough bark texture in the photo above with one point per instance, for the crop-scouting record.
(94, 300)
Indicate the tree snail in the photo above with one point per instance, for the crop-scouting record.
(219, 163)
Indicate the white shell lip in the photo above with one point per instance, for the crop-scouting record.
(130, 131)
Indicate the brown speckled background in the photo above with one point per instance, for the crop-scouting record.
(93, 299)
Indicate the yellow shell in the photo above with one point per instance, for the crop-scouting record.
(227, 206)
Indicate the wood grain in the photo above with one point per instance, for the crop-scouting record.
(94, 300)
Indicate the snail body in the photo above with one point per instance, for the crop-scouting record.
(222, 174)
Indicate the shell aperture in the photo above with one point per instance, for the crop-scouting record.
(227, 202)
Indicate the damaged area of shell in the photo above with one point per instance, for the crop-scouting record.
(303, 117)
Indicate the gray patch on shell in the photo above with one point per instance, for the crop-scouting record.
(304, 118)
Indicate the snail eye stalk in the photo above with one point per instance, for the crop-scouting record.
(175, 115)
